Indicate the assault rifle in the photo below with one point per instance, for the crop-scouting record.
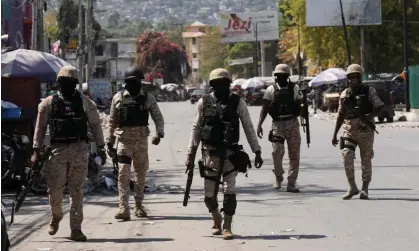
(190, 171)
(32, 177)
(305, 122)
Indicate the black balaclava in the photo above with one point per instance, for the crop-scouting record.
(133, 86)
(354, 81)
(67, 86)
(221, 89)
(282, 79)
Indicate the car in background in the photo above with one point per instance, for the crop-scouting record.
(384, 89)
(196, 95)
(189, 92)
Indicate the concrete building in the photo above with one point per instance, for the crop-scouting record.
(113, 56)
(193, 41)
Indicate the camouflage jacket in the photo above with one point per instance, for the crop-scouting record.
(132, 132)
(245, 119)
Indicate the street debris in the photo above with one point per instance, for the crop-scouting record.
(241, 242)
(288, 230)
(138, 234)
(43, 249)
(106, 223)
(148, 223)
(295, 237)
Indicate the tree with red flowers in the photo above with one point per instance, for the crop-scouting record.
(161, 58)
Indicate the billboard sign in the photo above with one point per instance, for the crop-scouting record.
(242, 27)
(241, 61)
(357, 12)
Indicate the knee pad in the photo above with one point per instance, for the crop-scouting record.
(211, 203)
(229, 204)
(122, 159)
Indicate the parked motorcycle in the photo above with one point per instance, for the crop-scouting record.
(14, 158)
(5, 242)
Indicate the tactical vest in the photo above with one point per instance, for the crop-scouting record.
(133, 112)
(68, 120)
(284, 103)
(357, 102)
(219, 129)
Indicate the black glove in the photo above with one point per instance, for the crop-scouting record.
(258, 160)
(111, 150)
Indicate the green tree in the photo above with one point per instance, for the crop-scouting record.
(68, 22)
(212, 52)
(241, 50)
(326, 47)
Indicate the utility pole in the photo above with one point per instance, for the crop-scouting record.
(34, 24)
(255, 28)
(80, 49)
(89, 39)
(363, 64)
(300, 66)
(348, 49)
(406, 59)
(40, 25)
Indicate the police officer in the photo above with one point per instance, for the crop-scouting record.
(128, 126)
(282, 101)
(216, 113)
(358, 106)
(68, 114)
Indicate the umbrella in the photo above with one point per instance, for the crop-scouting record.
(29, 63)
(239, 82)
(169, 87)
(329, 76)
(252, 83)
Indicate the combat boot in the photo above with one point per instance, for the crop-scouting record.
(291, 188)
(227, 233)
(122, 214)
(54, 225)
(352, 191)
(139, 211)
(217, 219)
(278, 181)
(364, 191)
(77, 235)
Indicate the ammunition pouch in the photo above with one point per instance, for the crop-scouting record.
(343, 143)
(240, 160)
(212, 135)
(201, 169)
(275, 139)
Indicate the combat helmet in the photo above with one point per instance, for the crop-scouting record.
(282, 69)
(219, 73)
(134, 72)
(67, 72)
(355, 68)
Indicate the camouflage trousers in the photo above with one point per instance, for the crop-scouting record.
(229, 181)
(365, 141)
(133, 152)
(289, 131)
(68, 164)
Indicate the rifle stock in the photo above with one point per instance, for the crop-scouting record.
(305, 121)
(33, 176)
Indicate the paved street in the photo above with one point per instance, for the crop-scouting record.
(315, 219)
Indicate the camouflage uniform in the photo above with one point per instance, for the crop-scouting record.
(357, 133)
(289, 130)
(132, 144)
(212, 163)
(69, 160)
